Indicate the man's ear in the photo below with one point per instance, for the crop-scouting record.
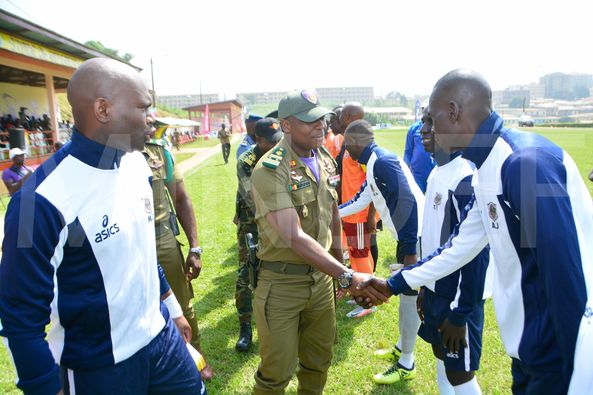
(101, 108)
(454, 111)
(285, 125)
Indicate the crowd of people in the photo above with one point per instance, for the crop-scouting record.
(28, 122)
(476, 210)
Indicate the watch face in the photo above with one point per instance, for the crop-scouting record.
(345, 280)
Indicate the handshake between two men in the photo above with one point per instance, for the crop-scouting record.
(369, 290)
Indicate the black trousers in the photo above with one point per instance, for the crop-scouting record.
(226, 151)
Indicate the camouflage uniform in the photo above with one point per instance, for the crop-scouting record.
(246, 224)
(169, 253)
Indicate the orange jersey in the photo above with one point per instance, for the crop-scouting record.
(333, 143)
(353, 177)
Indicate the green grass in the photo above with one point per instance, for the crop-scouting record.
(201, 143)
(212, 188)
(180, 157)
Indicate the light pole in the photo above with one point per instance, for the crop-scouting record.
(152, 78)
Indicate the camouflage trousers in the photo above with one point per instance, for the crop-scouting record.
(243, 295)
(171, 259)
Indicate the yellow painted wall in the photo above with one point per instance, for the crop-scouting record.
(13, 97)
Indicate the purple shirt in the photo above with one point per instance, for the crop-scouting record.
(312, 164)
(14, 174)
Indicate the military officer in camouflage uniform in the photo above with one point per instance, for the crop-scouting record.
(300, 249)
(170, 197)
(267, 133)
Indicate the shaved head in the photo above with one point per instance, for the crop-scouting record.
(468, 88)
(351, 112)
(106, 96)
(358, 135)
(460, 101)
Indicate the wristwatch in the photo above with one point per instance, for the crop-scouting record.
(345, 279)
(197, 251)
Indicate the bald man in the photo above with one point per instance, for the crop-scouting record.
(80, 252)
(390, 186)
(533, 208)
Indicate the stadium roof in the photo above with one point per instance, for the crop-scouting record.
(18, 26)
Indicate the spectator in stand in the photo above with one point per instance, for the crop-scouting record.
(59, 144)
(418, 160)
(15, 175)
(45, 122)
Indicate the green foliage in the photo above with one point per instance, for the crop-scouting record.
(164, 110)
(98, 45)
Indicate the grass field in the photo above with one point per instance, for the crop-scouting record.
(202, 143)
(180, 157)
(213, 190)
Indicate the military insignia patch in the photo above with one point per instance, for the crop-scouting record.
(295, 176)
(437, 200)
(333, 180)
(273, 159)
(299, 185)
(155, 163)
(310, 96)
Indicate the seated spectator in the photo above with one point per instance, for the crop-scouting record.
(15, 176)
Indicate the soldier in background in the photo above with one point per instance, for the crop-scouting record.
(171, 201)
(267, 134)
(225, 141)
(249, 138)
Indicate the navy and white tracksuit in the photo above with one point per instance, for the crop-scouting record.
(420, 162)
(392, 189)
(79, 249)
(457, 297)
(534, 210)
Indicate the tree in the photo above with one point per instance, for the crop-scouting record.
(98, 45)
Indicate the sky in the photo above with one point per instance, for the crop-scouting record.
(231, 46)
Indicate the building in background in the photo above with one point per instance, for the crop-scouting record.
(229, 112)
(183, 101)
(35, 67)
(567, 86)
(327, 96)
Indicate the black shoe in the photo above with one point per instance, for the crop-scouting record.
(244, 341)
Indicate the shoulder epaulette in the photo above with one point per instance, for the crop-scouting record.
(159, 142)
(326, 152)
(274, 158)
(322, 148)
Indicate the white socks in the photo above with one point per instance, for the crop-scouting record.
(445, 387)
(409, 322)
(470, 388)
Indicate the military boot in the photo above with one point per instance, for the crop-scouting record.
(244, 337)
